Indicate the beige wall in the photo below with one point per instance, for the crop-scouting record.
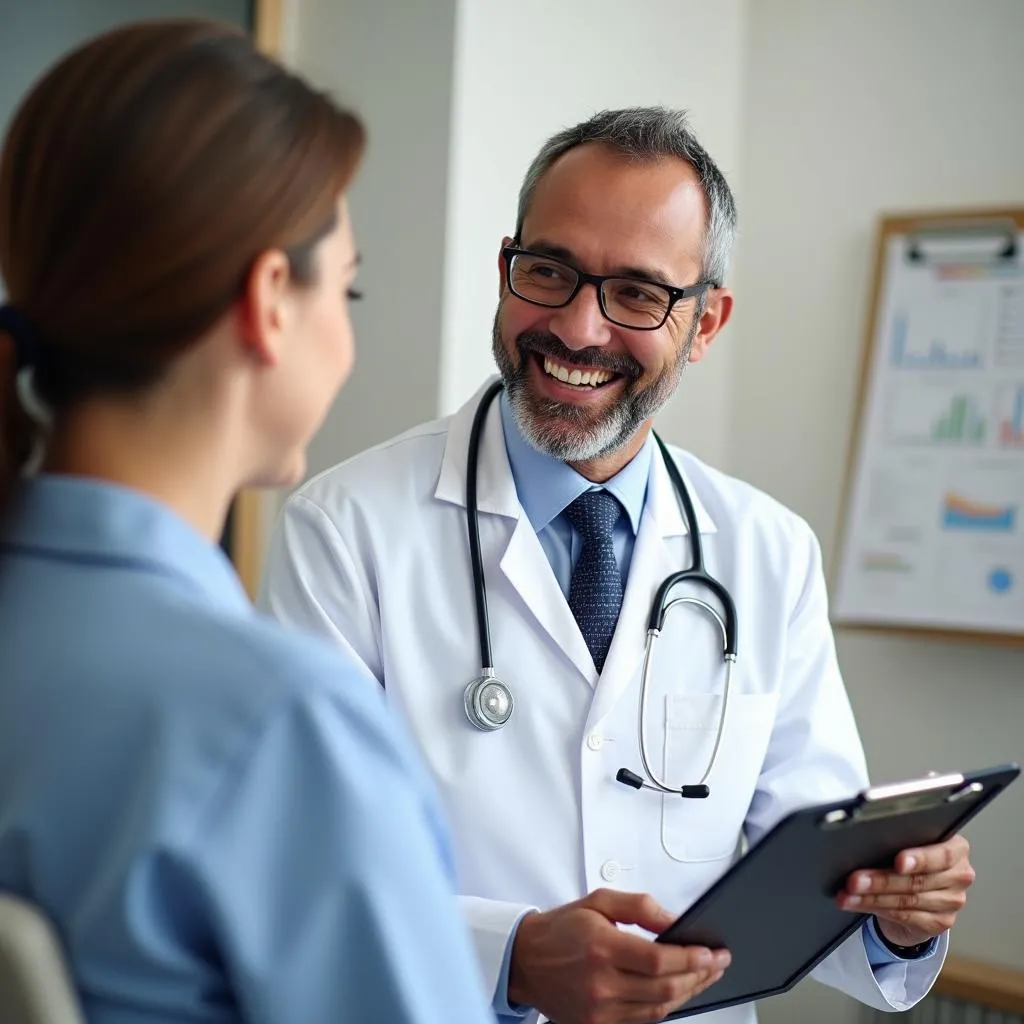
(851, 109)
(393, 61)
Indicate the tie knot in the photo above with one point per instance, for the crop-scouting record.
(594, 514)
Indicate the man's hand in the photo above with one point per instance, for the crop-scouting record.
(920, 898)
(576, 967)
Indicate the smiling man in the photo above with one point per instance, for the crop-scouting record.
(613, 282)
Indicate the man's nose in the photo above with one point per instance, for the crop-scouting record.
(581, 324)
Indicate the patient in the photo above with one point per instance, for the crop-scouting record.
(222, 823)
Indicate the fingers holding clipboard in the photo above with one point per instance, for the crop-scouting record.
(776, 910)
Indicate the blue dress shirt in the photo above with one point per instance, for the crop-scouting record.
(546, 486)
(220, 816)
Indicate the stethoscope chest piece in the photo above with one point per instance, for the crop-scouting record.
(489, 703)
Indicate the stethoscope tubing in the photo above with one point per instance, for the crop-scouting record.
(661, 604)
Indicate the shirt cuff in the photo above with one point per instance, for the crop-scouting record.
(502, 1007)
(879, 954)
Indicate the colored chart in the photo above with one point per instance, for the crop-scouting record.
(960, 513)
(1010, 415)
(1000, 581)
(885, 562)
(933, 352)
(961, 422)
(928, 414)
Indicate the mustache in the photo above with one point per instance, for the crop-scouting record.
(546, 344)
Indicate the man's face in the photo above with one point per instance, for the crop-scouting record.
(602, 214)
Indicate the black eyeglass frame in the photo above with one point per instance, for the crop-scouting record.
(675, 293)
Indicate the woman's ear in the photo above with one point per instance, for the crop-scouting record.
(263, 307)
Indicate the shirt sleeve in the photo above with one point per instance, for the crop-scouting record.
(328, 867)
(501, 1005)
(879, 954)
(313, 583)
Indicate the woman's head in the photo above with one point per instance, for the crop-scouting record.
(172, 215)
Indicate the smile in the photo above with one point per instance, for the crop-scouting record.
(574, 375)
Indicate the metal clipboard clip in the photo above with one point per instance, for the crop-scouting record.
(978, 241)
(899, 798)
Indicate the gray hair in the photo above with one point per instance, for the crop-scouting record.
(646, 133)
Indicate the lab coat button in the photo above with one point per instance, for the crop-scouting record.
(595, 741)
(610, 870)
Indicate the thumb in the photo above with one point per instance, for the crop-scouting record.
(630, 908)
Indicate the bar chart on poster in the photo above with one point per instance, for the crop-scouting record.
(932, 534)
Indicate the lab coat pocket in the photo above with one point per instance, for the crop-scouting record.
(710, 829)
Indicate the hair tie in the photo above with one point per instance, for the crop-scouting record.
(26, 342)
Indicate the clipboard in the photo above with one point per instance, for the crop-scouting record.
(932, 510)
(775, 909)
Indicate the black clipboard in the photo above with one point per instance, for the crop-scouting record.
(775, 908)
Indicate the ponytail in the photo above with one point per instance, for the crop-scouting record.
(17, 432)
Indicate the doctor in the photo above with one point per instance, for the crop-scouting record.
(612, 284)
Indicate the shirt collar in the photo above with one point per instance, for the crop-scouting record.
(74, 518)
(546, 485)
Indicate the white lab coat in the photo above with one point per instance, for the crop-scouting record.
(374, 554)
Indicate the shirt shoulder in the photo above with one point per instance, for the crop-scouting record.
(394, 469)
(253, 662)
(210, 687)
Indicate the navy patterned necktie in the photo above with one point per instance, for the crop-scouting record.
(595, 592)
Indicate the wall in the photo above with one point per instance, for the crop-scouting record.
(458, 98)
(35, 35)
(852, 109)
(393, 63)
(527, 69)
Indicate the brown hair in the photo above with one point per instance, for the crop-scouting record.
(140, 180)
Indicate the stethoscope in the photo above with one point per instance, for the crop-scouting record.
(488, 700)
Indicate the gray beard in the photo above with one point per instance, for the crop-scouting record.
(566, 432)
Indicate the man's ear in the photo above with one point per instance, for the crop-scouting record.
(263, 307)
(715, 316)
(502, 269)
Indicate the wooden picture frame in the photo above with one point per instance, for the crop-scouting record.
(245, 534)
(898, 225)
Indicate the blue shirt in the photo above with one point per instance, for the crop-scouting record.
(220, 816)
(546, 486)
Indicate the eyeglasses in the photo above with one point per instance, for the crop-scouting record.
(626, 301)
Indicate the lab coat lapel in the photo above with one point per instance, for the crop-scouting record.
(528, 570)
(523, 563)
(653, 559)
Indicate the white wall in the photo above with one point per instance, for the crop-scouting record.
(853, 109)
(392, 61)
(525, 70)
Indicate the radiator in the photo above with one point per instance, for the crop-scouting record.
(941, 1009)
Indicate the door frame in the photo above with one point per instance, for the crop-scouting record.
(249, 515)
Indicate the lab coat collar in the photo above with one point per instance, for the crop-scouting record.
(76, 519)
(496, 490)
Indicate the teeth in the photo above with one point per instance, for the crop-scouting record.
(579, 378)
